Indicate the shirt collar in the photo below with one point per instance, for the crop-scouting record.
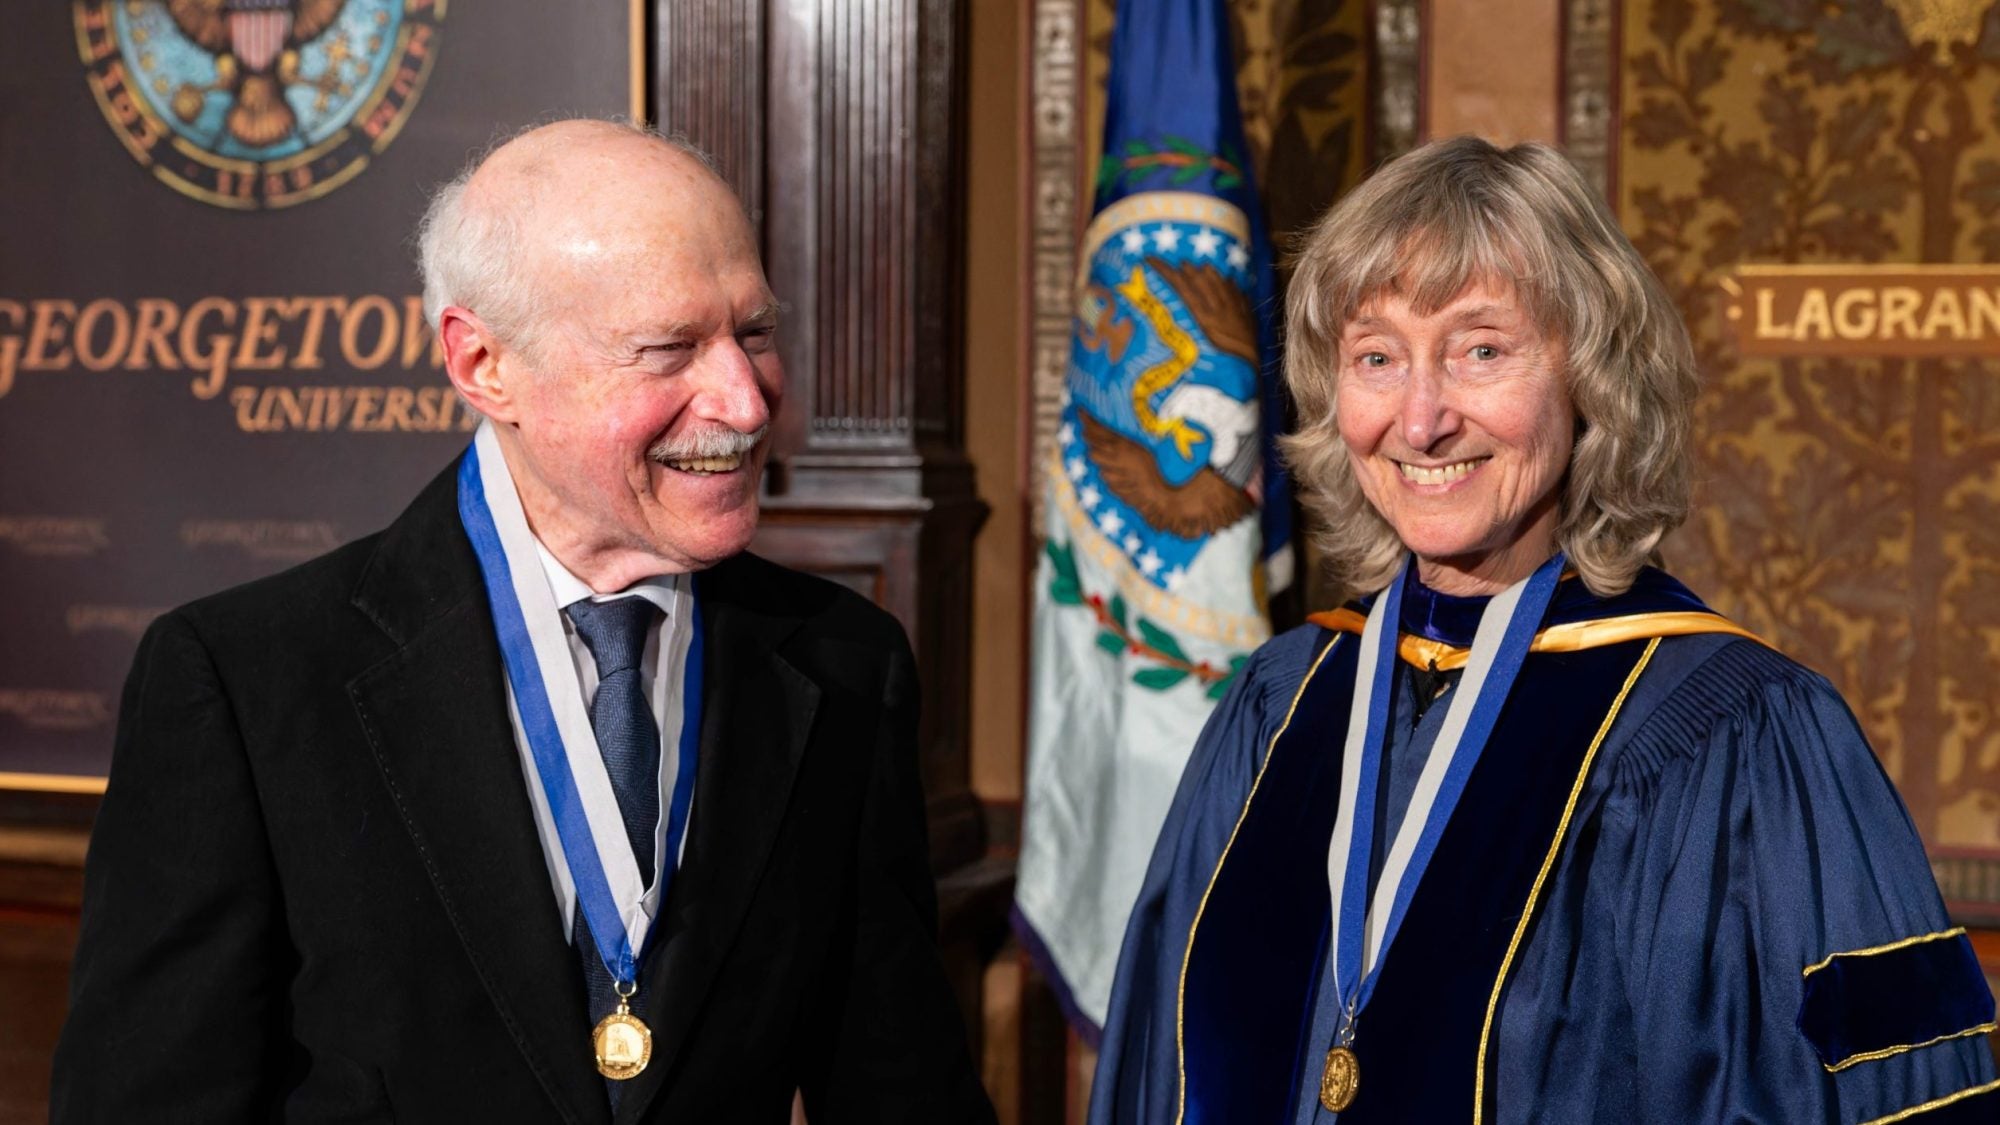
(662, 590)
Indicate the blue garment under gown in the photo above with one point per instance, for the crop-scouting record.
(1729, 915)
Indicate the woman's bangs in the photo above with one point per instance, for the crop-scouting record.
(1437, 268)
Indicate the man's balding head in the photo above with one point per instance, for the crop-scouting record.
(480, 235)
(599, 296)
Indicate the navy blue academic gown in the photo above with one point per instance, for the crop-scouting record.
(1678, 888)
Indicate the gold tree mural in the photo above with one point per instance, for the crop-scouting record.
(1851, 507)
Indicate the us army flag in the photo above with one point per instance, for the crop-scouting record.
(1165, 498)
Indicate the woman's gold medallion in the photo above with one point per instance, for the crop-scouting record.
(1340, 1079)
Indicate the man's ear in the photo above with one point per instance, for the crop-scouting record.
(472, 362)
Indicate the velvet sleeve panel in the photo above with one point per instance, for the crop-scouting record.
(1137, 1080)
(1742, 832)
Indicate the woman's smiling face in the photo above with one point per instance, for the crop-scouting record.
(1459, 428)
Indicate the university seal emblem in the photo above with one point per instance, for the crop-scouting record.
(1159, 428)
(251, 104)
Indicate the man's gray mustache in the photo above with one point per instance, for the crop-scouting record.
(708, 443)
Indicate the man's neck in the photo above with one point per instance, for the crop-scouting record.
(606, 570)
(663, 590)
(606, 566)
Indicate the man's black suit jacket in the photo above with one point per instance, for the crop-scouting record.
(315, 890)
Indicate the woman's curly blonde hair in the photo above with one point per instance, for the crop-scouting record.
(1460, 211)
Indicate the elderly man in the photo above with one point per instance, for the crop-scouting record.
(547, 803)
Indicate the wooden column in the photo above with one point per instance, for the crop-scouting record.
(839, 124)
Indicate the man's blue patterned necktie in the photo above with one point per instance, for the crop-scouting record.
(621, 715)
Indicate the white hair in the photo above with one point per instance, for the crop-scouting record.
(470, 254)
(1455, 212)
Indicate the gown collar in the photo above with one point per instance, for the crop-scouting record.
(1453, 620)
(1438, 628)
(1437, 616)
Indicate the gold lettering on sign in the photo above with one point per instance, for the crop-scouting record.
(46, 347)
(1815, 318)
(1853, 314)
(216, 337)
(215, 359)
(152, 340)
(12, 318)
(365, 410)
(1768, 327)
(1864, 310)
(96, 315)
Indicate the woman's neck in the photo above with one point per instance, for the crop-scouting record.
(1488, 573)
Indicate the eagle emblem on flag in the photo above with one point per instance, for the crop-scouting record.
(1160, 432)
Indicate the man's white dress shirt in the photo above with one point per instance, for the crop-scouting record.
(663, 672)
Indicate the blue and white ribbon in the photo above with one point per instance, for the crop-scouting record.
(1365, 922)
(555, 719)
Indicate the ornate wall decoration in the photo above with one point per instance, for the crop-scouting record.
(1399, 86)
(1303, 72)
(1850, 508)
(1589, 103)
(1055, 94)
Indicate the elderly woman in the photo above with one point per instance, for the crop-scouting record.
(1527, 833)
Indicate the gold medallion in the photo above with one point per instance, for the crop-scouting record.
(1340, 1079)
(624, 1044)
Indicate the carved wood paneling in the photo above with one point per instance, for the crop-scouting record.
(861, 373)
(864, 221)
(838, 121)
(1589, 97)
(709, 84)
(1398, 86)
(1056, 105)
